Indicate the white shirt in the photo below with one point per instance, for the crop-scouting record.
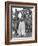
(21, 28)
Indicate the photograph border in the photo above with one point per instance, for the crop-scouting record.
(7, 3)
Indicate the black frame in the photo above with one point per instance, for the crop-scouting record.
(7, 22)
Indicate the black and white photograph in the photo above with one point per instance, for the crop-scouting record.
(21, 22)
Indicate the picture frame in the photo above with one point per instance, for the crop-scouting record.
(10, 8)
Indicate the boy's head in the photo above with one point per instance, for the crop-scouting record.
(22, 19)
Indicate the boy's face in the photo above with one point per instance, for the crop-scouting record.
(21, 18)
